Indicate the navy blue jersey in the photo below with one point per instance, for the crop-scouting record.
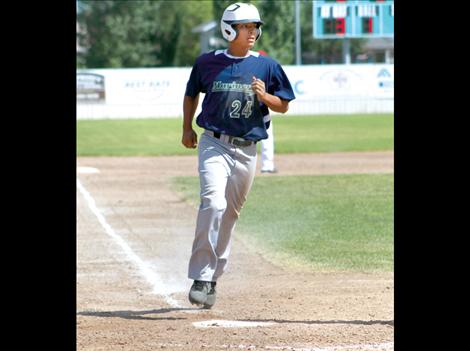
(230, 106)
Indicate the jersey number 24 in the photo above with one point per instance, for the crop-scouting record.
(236, 106)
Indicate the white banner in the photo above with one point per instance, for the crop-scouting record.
(358, 88)
(159, 92)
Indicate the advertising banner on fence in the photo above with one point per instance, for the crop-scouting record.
(359, 88)
(159, 92)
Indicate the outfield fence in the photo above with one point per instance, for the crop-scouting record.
(158, 92)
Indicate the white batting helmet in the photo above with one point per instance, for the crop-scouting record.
(239, 13)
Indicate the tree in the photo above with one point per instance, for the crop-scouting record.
(157, 33)
(140, 33)
(193, 14)
(278, 38)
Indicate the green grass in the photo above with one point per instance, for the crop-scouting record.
(322, 223)
(132, 137)
(293, 134)
(333, 133)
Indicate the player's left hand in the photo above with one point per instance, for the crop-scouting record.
(259, 88)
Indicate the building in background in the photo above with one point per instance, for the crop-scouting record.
(377, 50)
(207, 36)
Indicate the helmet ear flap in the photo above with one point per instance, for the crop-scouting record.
(228, 31)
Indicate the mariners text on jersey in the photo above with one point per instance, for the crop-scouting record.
(234, 86)
(230, 106)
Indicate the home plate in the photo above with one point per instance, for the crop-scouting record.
(87, 170)
(229, 324)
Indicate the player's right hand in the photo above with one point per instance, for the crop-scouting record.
(189, 139)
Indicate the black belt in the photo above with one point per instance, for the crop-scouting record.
(236, 141)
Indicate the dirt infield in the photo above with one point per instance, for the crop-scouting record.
(134, 238)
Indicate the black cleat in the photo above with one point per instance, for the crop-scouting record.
(198, 294)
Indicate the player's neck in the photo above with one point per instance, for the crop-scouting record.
(238, 51)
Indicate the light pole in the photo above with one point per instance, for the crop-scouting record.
(298, 59)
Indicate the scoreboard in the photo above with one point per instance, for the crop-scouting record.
(339, 19)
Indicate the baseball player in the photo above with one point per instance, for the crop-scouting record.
(240, 87)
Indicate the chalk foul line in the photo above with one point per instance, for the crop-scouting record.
(153, 278)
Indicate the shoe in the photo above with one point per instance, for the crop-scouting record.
(274, 170)
(211, 296)
(202, 293)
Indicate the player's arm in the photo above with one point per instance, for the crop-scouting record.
(273, 102)
(189, 138)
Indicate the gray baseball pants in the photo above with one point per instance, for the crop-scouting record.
(226, 173)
